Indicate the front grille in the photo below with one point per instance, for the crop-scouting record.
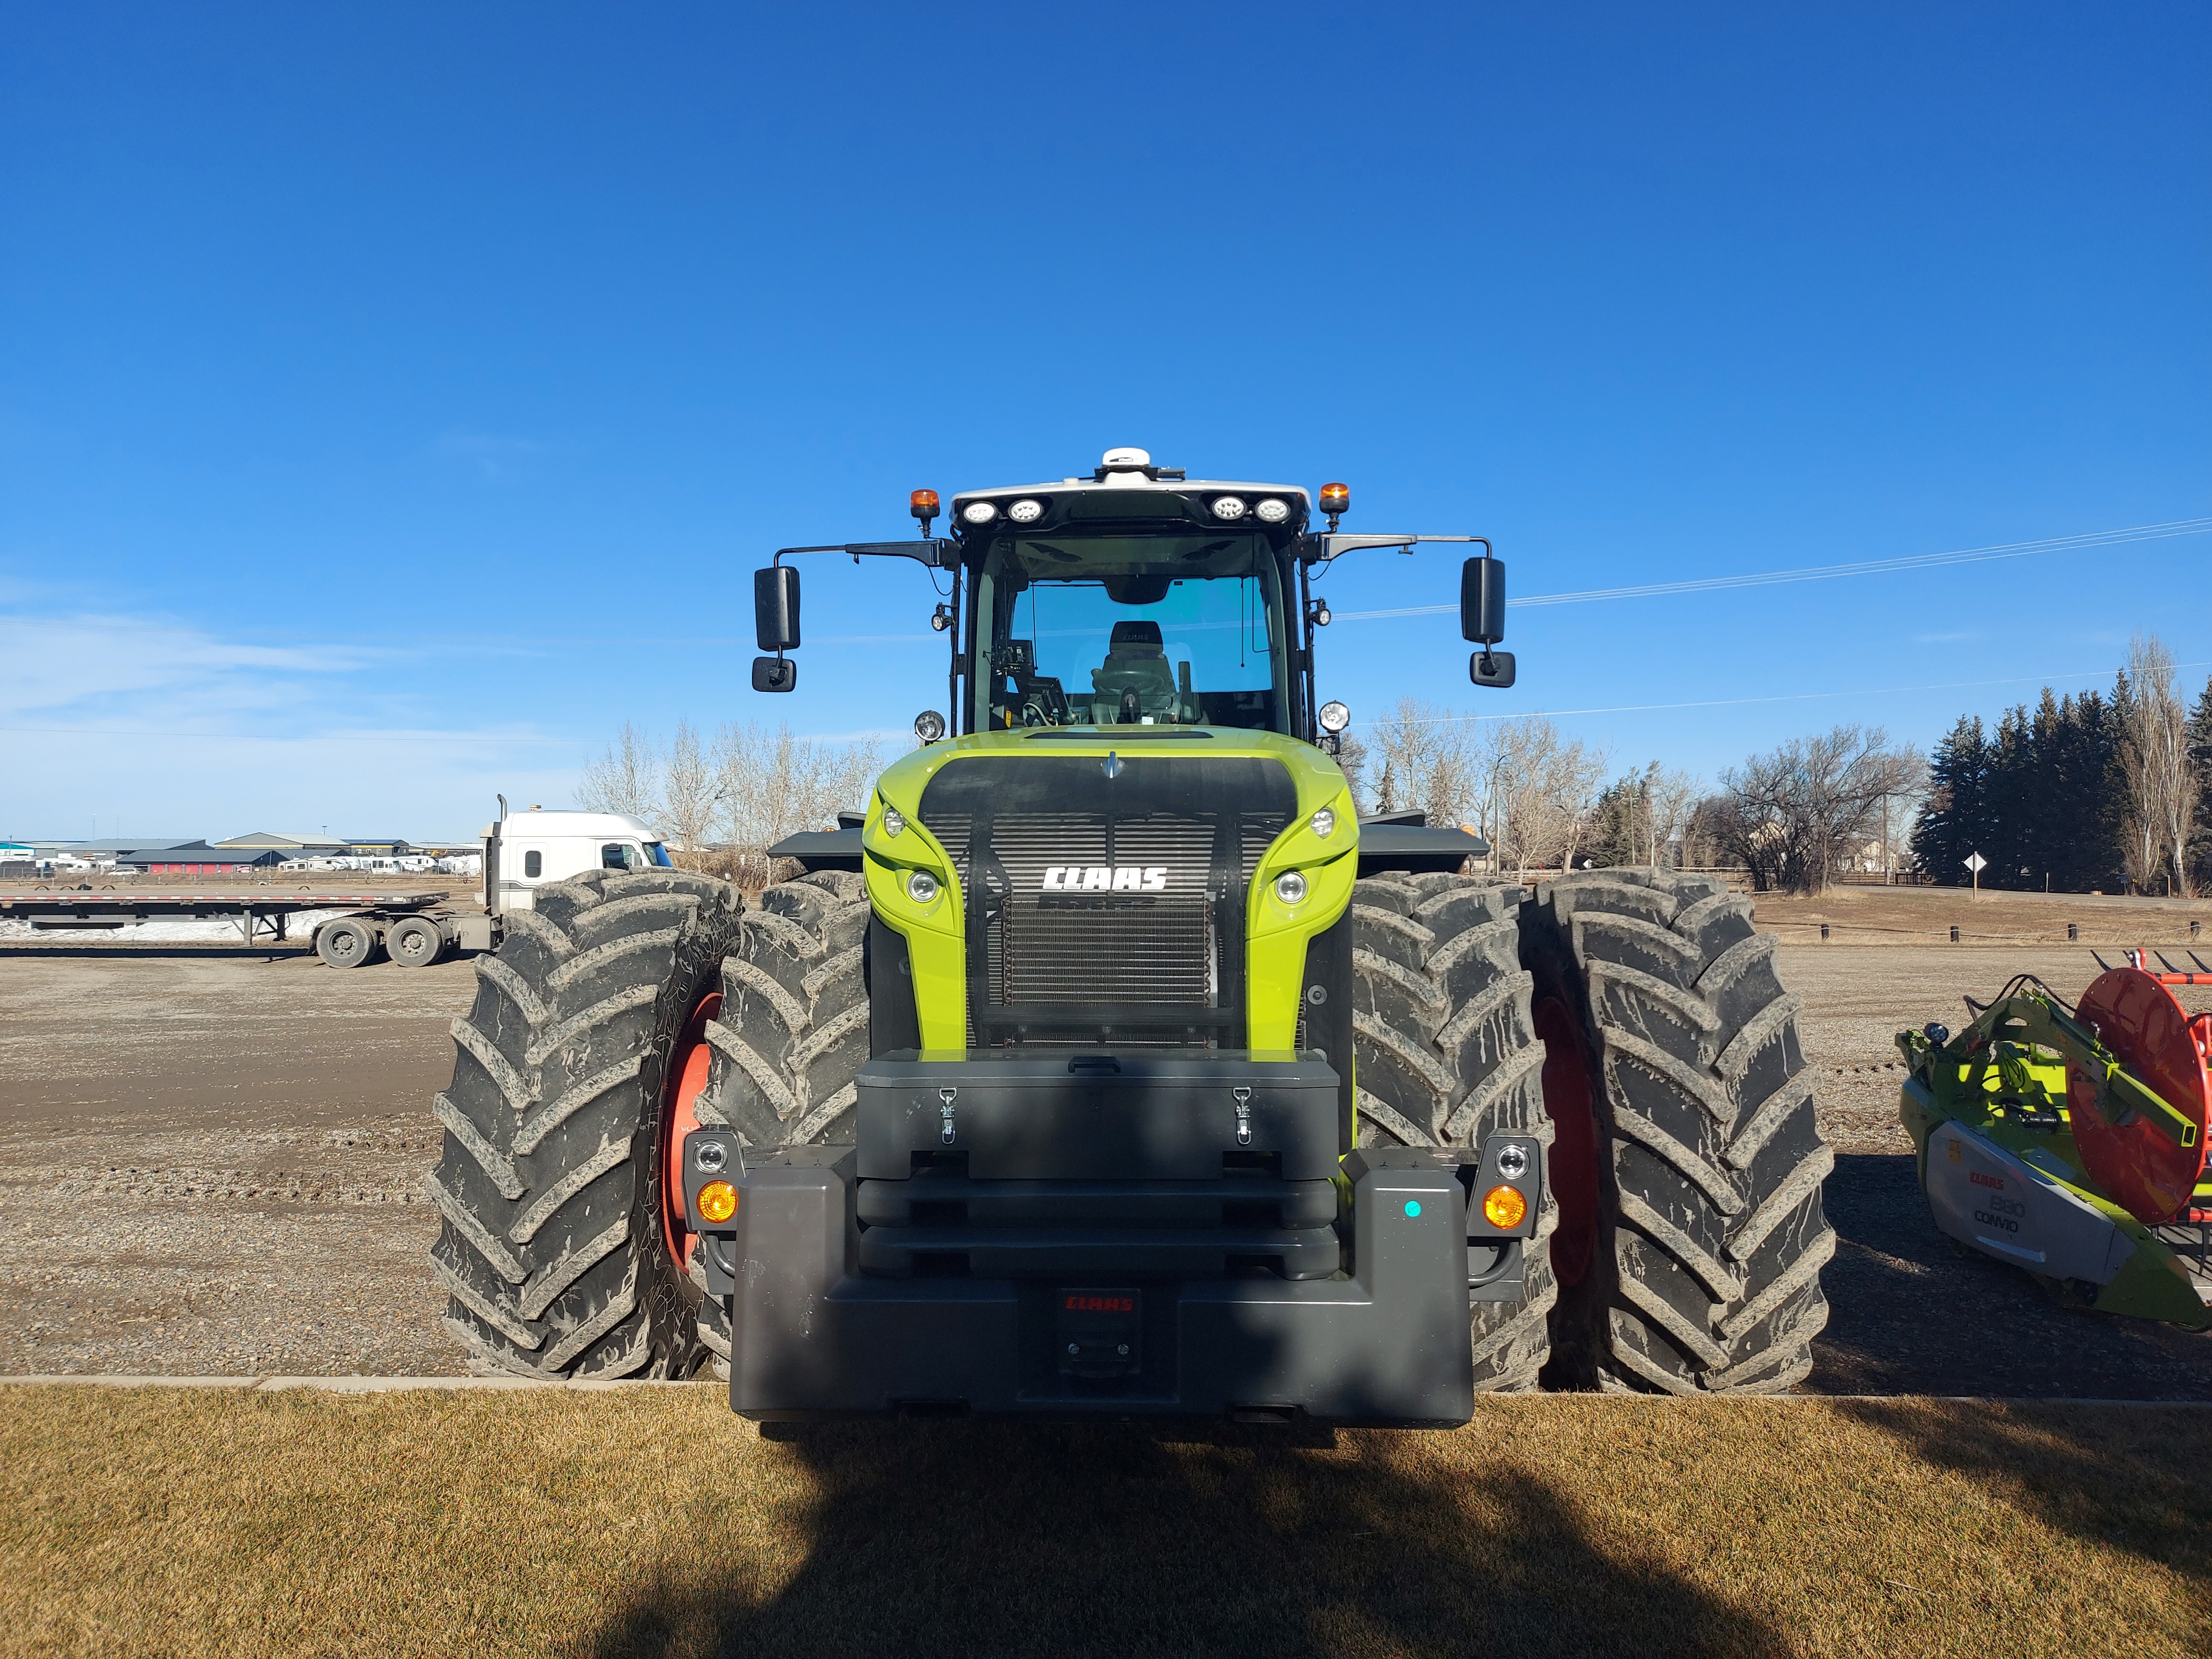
(1143, 942)
(1156, 954)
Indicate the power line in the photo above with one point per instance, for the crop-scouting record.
(2147, 532)
(1788, 696)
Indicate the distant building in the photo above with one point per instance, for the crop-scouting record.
(289, 847)
(198, 858)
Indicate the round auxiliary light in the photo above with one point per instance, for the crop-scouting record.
(1504, 1207)
(894, 820)
(1334, 717)
(1513, 1162)
(1026, 512)
(921, 887)
(979, 512)
(1291, 887)
(718, 1201)
(1324, 823)
(709, 1156)
(929, 725)
(1228, 507)
(1272, 511)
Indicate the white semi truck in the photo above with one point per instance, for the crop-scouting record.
(522, 852)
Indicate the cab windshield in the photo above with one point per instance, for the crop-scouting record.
(1134, 630)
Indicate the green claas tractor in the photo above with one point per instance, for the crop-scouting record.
(1111, 1063)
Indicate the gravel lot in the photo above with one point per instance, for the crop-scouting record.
(210, 1163)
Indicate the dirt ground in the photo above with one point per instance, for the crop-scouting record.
(210, 1161)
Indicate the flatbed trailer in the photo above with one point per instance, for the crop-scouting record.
(367, 923)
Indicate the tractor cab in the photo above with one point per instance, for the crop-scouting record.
(1135, 597)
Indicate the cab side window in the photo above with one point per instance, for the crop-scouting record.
(617, 856)
(534, 863)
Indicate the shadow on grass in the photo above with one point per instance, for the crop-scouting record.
(1911, 1313)
(2129, 1480)
(1073, 1542)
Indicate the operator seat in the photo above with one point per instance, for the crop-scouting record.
(1136, 660)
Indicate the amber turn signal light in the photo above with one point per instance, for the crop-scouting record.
(718, 1201)
(1502, 1206)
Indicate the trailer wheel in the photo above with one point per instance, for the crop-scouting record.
(1686, 1162)
(1447, 1056)
(792, 1032)
(414, 943)
(345, 943)
(557, 1251)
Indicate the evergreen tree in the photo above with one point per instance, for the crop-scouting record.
(1954, 816)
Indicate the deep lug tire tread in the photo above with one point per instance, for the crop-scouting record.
(793, 1033)
(1712, 1236)
(550, 1251)
(1447, 1056)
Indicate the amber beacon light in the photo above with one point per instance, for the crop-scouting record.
(923, 505)
(1335, 502)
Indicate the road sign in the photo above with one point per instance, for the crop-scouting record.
(1976, 863)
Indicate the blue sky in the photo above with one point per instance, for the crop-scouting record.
(394, 400)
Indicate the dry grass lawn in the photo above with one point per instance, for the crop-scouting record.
(651, 1522)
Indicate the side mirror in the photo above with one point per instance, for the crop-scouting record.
(1481, 601)
(775, 608)
(1491, 668)
(774, 674)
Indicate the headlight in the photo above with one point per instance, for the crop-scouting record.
(979, 512)
(1323, 822)
(1026, 512)
(929, 725)
(921, 887)
(1334, 717)
(894, 820)
(1228, 506)
(1272, 512)
(1291, 887)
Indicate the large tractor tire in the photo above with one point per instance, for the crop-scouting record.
(791, 1034)
(574, 1075)
(1447, 1056)
(1686, 1164)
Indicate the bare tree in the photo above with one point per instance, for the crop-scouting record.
(1791, 814)
(2161, 781)
(626, 778)
(1539, 788)
(692, 793)
(771, 783)
(1351, 758)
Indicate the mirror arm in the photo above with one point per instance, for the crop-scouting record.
(1320, 549)
(927, 550)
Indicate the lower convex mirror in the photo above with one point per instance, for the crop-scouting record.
(774, 674)
(1491, 668)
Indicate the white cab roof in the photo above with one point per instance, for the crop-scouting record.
(582, 825)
